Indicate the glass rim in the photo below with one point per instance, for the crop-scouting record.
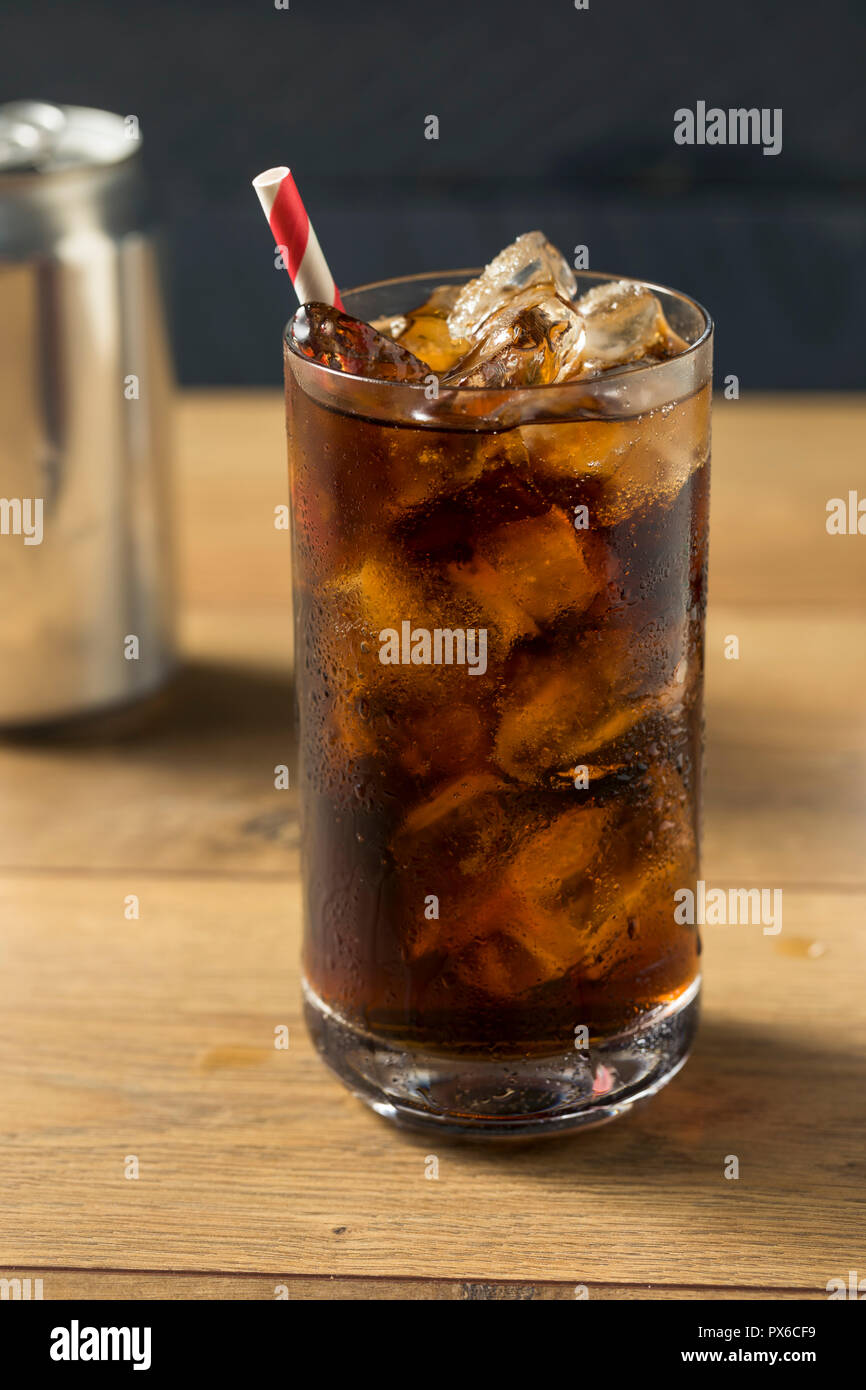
(632, 372)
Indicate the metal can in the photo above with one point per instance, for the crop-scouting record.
(85, 403)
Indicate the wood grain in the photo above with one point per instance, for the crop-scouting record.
(154, 1037)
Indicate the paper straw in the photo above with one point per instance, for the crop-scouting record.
(293, 230)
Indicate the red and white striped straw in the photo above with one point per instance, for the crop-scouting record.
(293, 230)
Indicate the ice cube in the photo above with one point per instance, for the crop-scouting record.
(542, 563)
(485, 938)
(480, 585)
(491, 857)
(445, 846)
(517, 955)
(426, 336)
(428, 716)
(462, 824)
(624, 322)
(420, 728)
(378, 595)
(632, 464)
(334, 339)
(444, 463)
(558, 853)
(565, 705)
(531, 889)
(527, 261)
(424, 331)
(534, 339)
(598, 884)
(649, 851)
(529, 930)
(449, 597)
(664, 448)
(578, 450)
(550, 877)
(441, 738)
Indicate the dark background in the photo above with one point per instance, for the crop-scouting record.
(549, 117)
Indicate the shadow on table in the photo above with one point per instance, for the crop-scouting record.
(202, 702)
(202, 752)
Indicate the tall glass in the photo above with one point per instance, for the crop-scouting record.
(499, 625)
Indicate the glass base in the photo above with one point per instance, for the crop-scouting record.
(518, 1097)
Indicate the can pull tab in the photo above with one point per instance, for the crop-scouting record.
(28, 133)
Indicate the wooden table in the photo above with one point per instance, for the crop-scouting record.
(153, 1038)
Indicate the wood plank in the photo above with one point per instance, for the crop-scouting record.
(785, 799)
(154, 1038)
(232, 473)
(777, 460)
(169, 1284)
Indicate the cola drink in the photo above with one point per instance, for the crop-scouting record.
(499, 503)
